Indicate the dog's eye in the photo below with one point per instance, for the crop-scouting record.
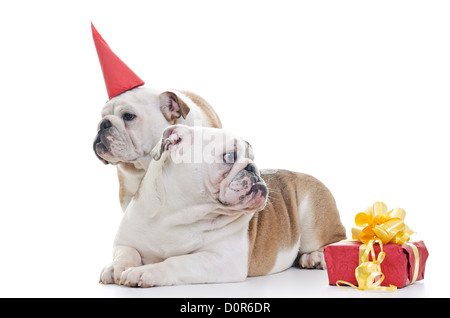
(229, 157)
(128, 117)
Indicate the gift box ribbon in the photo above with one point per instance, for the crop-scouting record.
(376, 224)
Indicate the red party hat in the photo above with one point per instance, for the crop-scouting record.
(118, 76)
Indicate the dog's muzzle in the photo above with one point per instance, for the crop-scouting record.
(258, 184)
(249, 179)
(101, 144)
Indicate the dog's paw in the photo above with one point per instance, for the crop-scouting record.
(312, 260)
(111, 274)
(141, 276)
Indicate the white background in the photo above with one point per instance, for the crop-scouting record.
(355, 93)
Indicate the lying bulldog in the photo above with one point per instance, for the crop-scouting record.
(213, 217)
(132, 123)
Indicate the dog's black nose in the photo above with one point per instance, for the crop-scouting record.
(250, 168)
(105, 124)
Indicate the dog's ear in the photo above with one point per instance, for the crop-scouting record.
(173, 107)
(171, 136)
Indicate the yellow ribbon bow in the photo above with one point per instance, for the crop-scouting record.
(376, 224)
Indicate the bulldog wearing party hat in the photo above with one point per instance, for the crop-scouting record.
(134, 117)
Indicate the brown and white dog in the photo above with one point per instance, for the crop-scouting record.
(132, 123)
(209, 215)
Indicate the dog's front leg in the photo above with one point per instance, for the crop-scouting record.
(200, 267)
(124, 258)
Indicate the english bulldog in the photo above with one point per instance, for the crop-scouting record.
(132, 123)
(210, 216)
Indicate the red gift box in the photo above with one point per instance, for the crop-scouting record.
(398, 266)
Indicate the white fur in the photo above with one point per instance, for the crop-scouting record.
(285, 259)
(308, 244)
(171, 233)
(131, 182)
(307, 228)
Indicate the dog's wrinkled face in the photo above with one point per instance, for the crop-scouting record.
(132, 123)
(220, 163)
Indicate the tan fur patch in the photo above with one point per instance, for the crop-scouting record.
(278, 226)
(121, 186)
(130, 168)
(205, 107)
